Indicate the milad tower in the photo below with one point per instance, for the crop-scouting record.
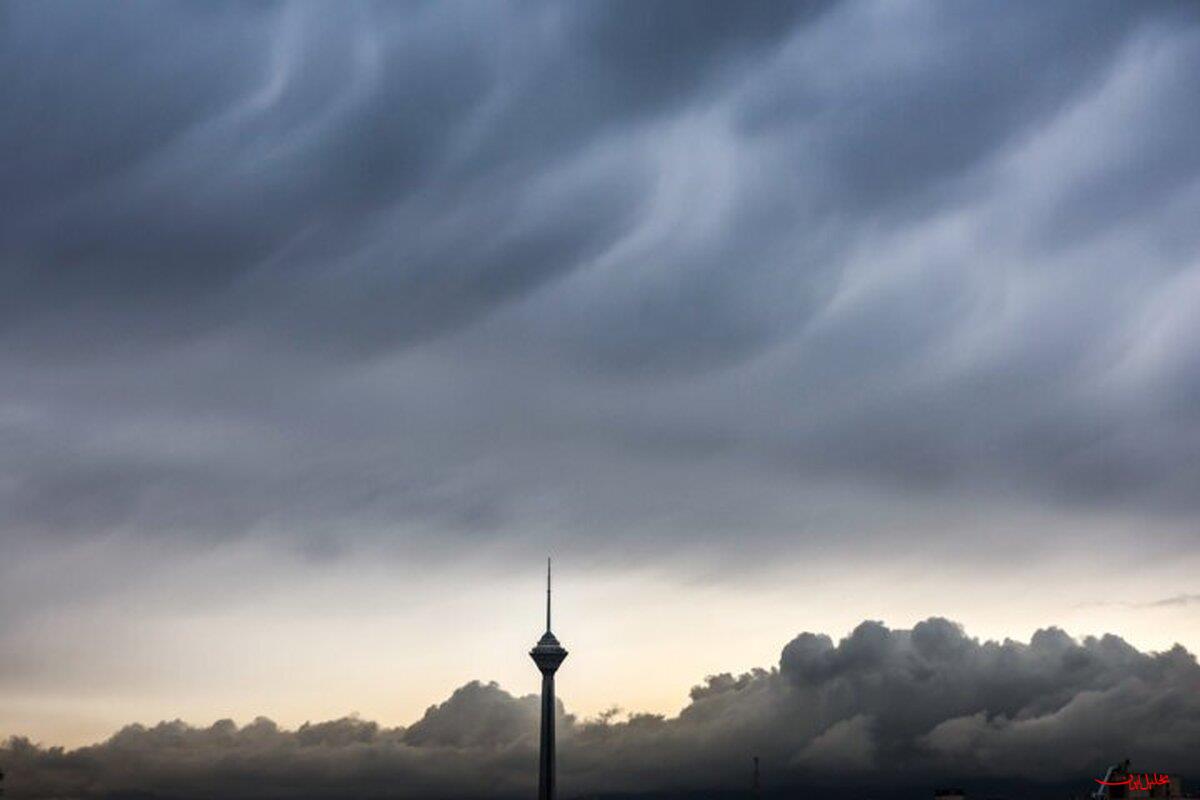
(547, 654)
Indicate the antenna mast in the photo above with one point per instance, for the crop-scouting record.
(547, 593)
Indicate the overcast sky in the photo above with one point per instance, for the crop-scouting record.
(320, 325)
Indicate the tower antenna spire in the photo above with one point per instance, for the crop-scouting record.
(547, 593)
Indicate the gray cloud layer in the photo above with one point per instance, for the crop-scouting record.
(880, 708)
(468, 270)
(634, 280)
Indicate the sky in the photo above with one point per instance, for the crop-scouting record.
(322, 325)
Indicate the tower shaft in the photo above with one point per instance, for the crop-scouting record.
(546, 763)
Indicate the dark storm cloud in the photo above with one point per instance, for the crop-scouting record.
(614, 268)
(182, 151)
(881, 707)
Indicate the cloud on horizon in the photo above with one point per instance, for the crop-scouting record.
(880, 707)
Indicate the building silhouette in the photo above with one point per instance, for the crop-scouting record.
(547, 654)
